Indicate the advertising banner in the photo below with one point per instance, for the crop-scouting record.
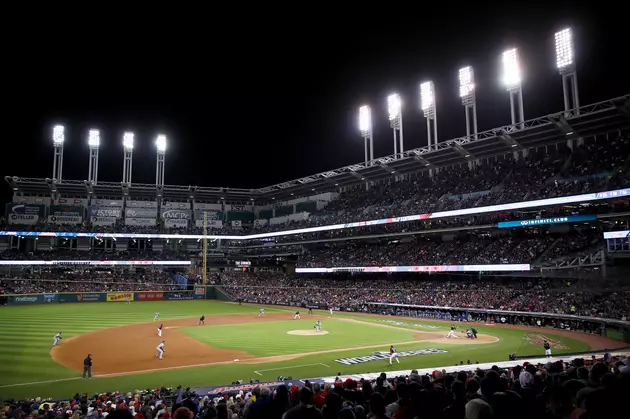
(149, 296)
(175, 205)
(238, 208)
(206, 206)
(107, 203)
(90, 297)
(142, 204)
(50, 298)
(81, 202)
(105, 212)
(176, 214)
(64, 219)
(211, 223)
(175, 223)
(140, 221)
(25, 214)
(118, 297)
(179, 295)
(26, 299)
(200, 291)
(140, 213)
(66, 210)
(260, 222)
(103, 221)
(548, 221)
(211, 215)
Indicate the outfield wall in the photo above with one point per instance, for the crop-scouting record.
(101, 297)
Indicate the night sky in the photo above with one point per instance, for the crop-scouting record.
(249, 99)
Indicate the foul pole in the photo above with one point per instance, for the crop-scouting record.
(205, 247)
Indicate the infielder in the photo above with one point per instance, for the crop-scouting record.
(451, 333)
(261, 312)
(160, 330)
(296, 316)
(393, 354)
(330, 310)
(318, 326)
(160, 350)
(157, 316)
(57, 339)
(202, 320)
(547, 347)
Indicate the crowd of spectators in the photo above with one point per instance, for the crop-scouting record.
(596, 165)
(583, 388)
(352, 293)
(88, 281)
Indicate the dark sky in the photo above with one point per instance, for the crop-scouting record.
(250, 98)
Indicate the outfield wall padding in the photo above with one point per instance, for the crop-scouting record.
(99, 297)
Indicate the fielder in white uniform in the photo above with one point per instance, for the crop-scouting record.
(160, 330)
(330, 310)
(261, 312)
(393, 354)
(318, 326)
(160, 350)
(157, 316)
(57, 339)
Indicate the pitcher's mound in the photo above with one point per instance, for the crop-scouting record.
(307, 332)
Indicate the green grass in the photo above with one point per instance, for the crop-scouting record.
(27, 333)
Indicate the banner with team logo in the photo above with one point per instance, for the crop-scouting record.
(105, 212)
(140, 221)
(176, 214)
(119, 296)
(175, 223)
(140, 213)
(64, 219)
(211, 223)
(103, 221)
(25, 214)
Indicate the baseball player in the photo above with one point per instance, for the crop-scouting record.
(474, 332)
(57, 339)
(469, 334)
(202, 320)
(393, 354)
(310, 310)
(318, 326)
(160, 350)
(127, 300)
(547, 347)
(451, 333)
(157, 316)
(330, 310)
(261, 312)
(160, 330)
(296, 316)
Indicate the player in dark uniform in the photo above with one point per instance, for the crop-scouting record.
(202, 320)
(296, 316)
(310, 310)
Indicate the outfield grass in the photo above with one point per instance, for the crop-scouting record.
(26, 368)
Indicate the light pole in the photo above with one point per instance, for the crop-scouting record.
(427, 103)
(58, 140)
(512, 81)
(394, 108)
(94, 142)
(127, 157)
(365, 126)
(160, 144)
(467, 94)
(565, 59)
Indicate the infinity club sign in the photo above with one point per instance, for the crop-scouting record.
(619, 193)
(426, 268)
(96, 262)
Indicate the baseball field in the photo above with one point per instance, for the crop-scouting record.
(234, 344)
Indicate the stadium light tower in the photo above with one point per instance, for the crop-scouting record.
(565, 59)
(512, 81)
(94, 142)
(128, 157)
(160, 143)
(58, 140)
(365, 126)
(427, 104)
(394, 108)
(467, 94)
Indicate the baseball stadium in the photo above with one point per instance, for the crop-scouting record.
(498, 249)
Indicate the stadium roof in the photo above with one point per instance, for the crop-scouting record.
(587, 121)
